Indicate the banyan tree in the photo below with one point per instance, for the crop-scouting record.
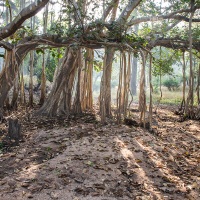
(82, 27)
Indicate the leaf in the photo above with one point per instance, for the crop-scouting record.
(59, 55)
(138, 161)
(38, 51)
(90, 163)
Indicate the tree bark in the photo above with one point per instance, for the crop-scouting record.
(86, 86)
(184, 84)
(50, 106)
(189, 109)
(31, 79)
(43, 81)
(105, 88)
(8, 74)
(15, 93)
(77, 109)
(134, 76)
(142, 95)
(150, 94)
(26, 13)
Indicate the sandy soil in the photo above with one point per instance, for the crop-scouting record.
(78, 159)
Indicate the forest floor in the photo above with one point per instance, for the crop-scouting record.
(79, 159)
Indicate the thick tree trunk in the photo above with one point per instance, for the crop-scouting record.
(86, 86)
(50, 106)
(13, 60)
(65, 103)
(15, 93)
(22, 91)
(14, 130)
(77, 100)
(105, 91)
(142, 95)
(7, 77)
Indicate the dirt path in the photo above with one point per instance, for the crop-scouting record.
(79, 160)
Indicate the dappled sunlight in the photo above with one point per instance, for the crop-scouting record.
(140, 175)
(153, 168)
(194, 128)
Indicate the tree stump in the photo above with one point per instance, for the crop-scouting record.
(14, 130)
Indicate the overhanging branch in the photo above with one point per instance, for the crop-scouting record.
(173, 15)
(26, 13)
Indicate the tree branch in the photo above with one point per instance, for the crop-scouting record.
(26, 13)
(172, 15)
(6, 45)
(174, 43)
(128, 10)
(109, 8)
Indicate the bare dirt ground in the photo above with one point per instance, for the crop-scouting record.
(78, 159)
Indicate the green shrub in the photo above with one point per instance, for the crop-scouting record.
(172, 84)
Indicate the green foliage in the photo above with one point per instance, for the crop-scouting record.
(135, 41)
(51, 62)
(50, 68)
(163, 61)
(98, 65)
(39, 51)
(57, 29)
(171, 83)
(21, 33)
(7, 3)
(182, 32)
(56, 54)
(162, 67)
(155, 82)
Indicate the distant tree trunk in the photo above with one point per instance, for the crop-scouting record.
(197, 114)
(189, 109)
(134, 76)
(160, 77)
(119, 91)
(184, 84)
(31, 79)
(198, 86)
(134, 70)
(43, 81)
(150, 94)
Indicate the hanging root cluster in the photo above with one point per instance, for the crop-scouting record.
(124, 86)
